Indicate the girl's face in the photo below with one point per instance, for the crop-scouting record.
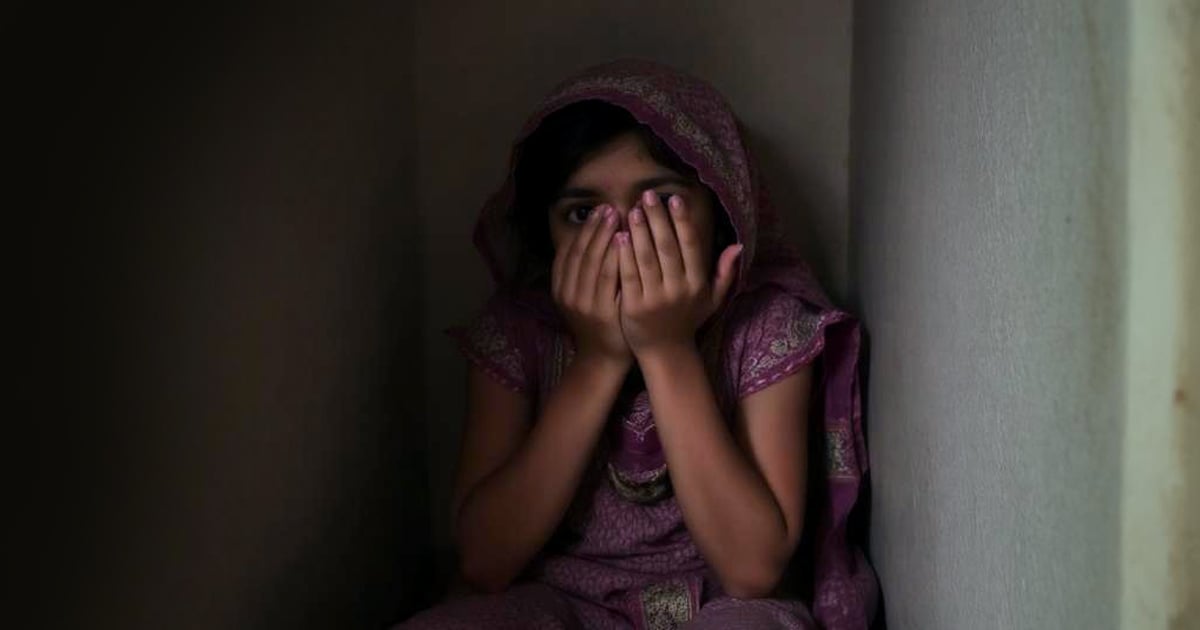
(617, 174)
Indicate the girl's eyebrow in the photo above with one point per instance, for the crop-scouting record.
(639, 186)
(655, 182)
(576, 193)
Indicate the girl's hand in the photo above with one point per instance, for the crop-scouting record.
(665, 290)
(584, 286)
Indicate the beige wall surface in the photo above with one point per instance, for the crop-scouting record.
(1160, 533)
(481, 68)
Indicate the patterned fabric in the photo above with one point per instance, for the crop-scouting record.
(773, 336)
(492, 343)
(667, 605)
(623, 557)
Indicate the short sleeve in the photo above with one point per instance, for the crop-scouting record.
(773, 335)
(493, 343)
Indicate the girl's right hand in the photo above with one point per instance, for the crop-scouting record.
(584, 284)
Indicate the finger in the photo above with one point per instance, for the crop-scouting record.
(690, 247)
(643, 250)
(665, 242)
(726, 273)
(593, 256)
(558, 268)
(574, 260)
(607, 281)
(631, 280)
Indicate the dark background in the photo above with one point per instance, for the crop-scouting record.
(212, 413)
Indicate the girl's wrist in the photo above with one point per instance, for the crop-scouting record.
(603, 364)
(666, 356)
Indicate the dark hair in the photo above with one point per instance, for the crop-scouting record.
(560, 144)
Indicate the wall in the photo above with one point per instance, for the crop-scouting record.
(481, 68)
(1160, 533)
(231, 243)
(987, 234)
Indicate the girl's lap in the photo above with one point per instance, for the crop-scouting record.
(751, 614)
(534, 606)
(529, 605)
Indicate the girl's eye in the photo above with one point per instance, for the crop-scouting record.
(579, 214)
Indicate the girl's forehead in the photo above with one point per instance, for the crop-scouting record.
(625, 157)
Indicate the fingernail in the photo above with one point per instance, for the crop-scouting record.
(649, 198)
(622, 238)
(608, 211)
(635, 216)
(675, 202)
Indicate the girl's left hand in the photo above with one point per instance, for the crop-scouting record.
(666, 293)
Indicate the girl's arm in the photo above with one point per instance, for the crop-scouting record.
(515, 483)
(741, 493)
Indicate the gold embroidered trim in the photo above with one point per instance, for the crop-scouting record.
(666, 606)
(797, 336)
(838, 454)
(657, 488)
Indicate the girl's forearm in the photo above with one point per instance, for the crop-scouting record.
(507, 518)
(727, 506)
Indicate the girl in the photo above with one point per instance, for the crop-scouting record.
(637, 447)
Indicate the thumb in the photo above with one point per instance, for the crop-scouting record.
(726, 272)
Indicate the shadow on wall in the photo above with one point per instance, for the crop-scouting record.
(794, 194)
(235, 255)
